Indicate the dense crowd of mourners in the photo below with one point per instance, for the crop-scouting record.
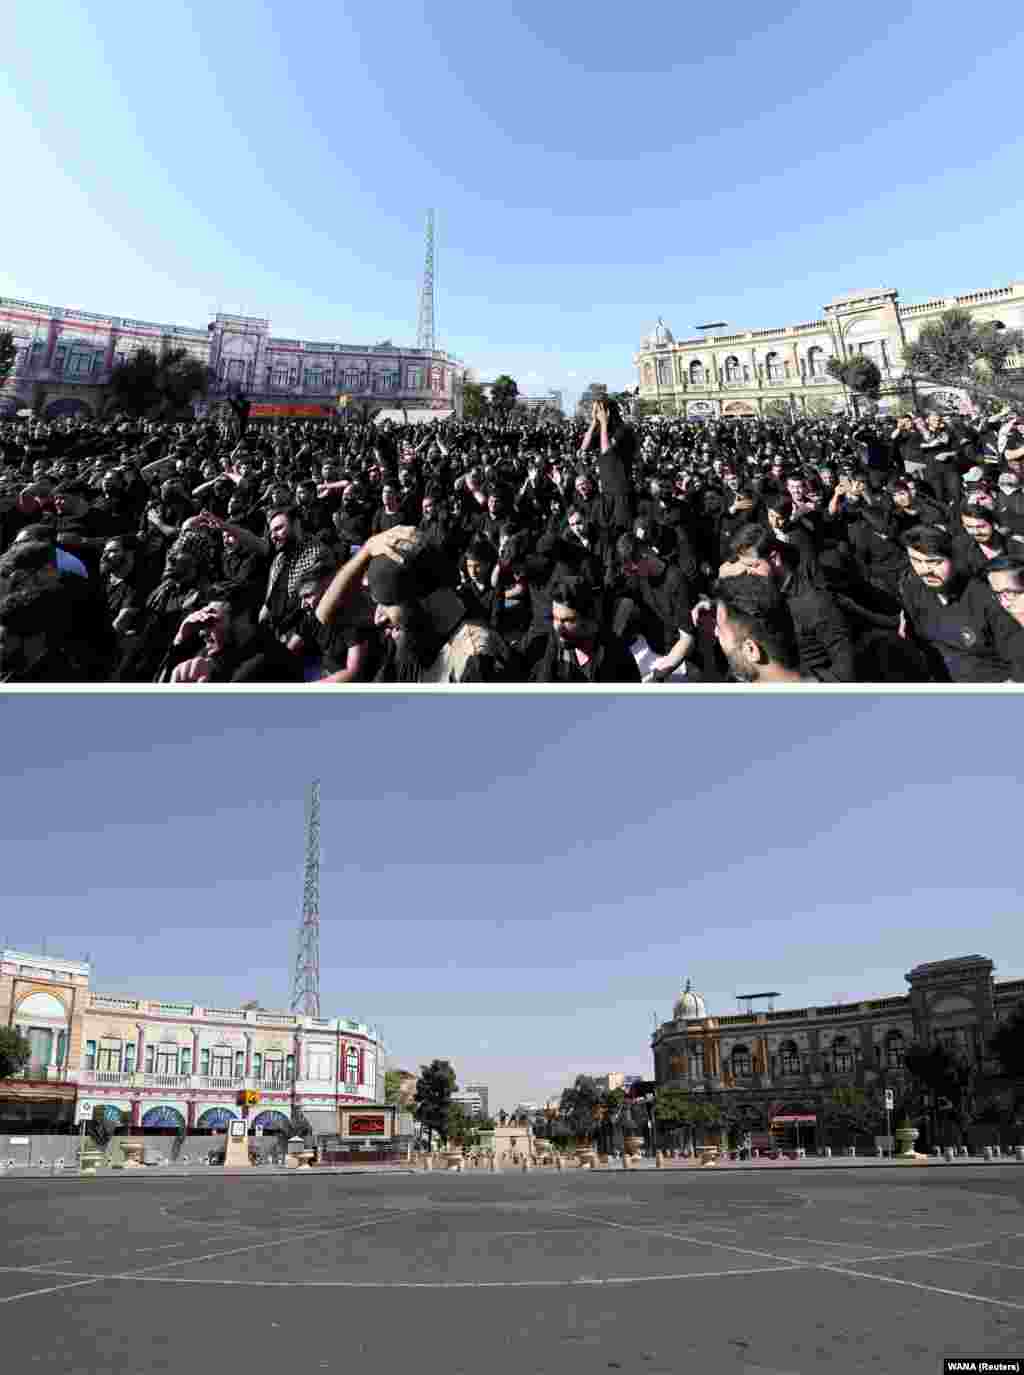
(836, 550)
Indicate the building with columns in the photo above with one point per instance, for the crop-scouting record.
(784, 1063)
(171, 1064)
(64, 358)
(759, 372)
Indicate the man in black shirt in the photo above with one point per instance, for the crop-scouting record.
(755, 630)
(615, 464)
(1006, 579)
(232, 647)
(577, 649)
(953, 617)
(652, 602)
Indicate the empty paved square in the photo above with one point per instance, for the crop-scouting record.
(768, 1273)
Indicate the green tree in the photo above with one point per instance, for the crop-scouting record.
(149, 383)
(474, 402)
(392, 1085)
(956, 350)
(503, 395)
(7, 354)
(851, 1111)
(858, 374)
(460, 1129)
(577, 1106)
(434, 1089)
(941, 1081)
(1008, 1043)
(15, 1052)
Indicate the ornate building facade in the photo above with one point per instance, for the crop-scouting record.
(171, 1064)
(782, 1064)
(64, 358)
(758, 372)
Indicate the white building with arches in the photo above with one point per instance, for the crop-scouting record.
(764, 371)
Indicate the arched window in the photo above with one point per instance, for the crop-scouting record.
(697, 372)
(815, 361)
(733, 372)
(741, 1061)
(789, 1058)
(773, 366)
(894, 1048)
(842, 1055)
(351, 1065)
(696, 1057)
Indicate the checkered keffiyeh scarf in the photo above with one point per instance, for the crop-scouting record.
(311, 553)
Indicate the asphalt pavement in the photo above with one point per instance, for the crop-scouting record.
(757, 1272)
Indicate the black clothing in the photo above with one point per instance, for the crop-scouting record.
(549, 661)
(823, 636)
(657, 608)
(966, 637)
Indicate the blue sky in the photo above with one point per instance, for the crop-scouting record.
(516, 884)
(591, 168)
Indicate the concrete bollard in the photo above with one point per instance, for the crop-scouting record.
(1019, 1152)
(879, 1152)
(828, 1152)
(658, 1162)
(851, 1152)
(987, 1152)
(997, 1151)
(426, 1163)
(525, 1165)
(950, 1155)
(936, 1151)
(558, 1162)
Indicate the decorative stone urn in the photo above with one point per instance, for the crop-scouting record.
(905, 1136)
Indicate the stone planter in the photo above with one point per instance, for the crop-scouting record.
(905, 1154)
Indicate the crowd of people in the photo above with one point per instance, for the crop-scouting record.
(606, 550)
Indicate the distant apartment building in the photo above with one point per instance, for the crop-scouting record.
(481, 1092)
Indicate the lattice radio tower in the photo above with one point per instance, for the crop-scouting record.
(425, 331)
(306, 985)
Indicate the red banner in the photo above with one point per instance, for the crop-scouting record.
(268, 410)
(365, 1126)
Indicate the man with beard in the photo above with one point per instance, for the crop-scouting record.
(978, 541)
(577, 648)
(755, 630)
(352, 520)
(34, 644)
(233, 647)
(182, 590)
(296, 554)
(430, 637)
(123, 591)
(954, 618)
(316, 519)
(119, 517)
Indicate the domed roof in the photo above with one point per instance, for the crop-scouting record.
(659, 337)
(689, 1005)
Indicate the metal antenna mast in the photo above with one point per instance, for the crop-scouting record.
(306, 987)
(425, 332)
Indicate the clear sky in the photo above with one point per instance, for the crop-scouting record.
(591, 167)
(517, 884)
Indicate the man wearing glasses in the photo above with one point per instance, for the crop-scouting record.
(1006, 579)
